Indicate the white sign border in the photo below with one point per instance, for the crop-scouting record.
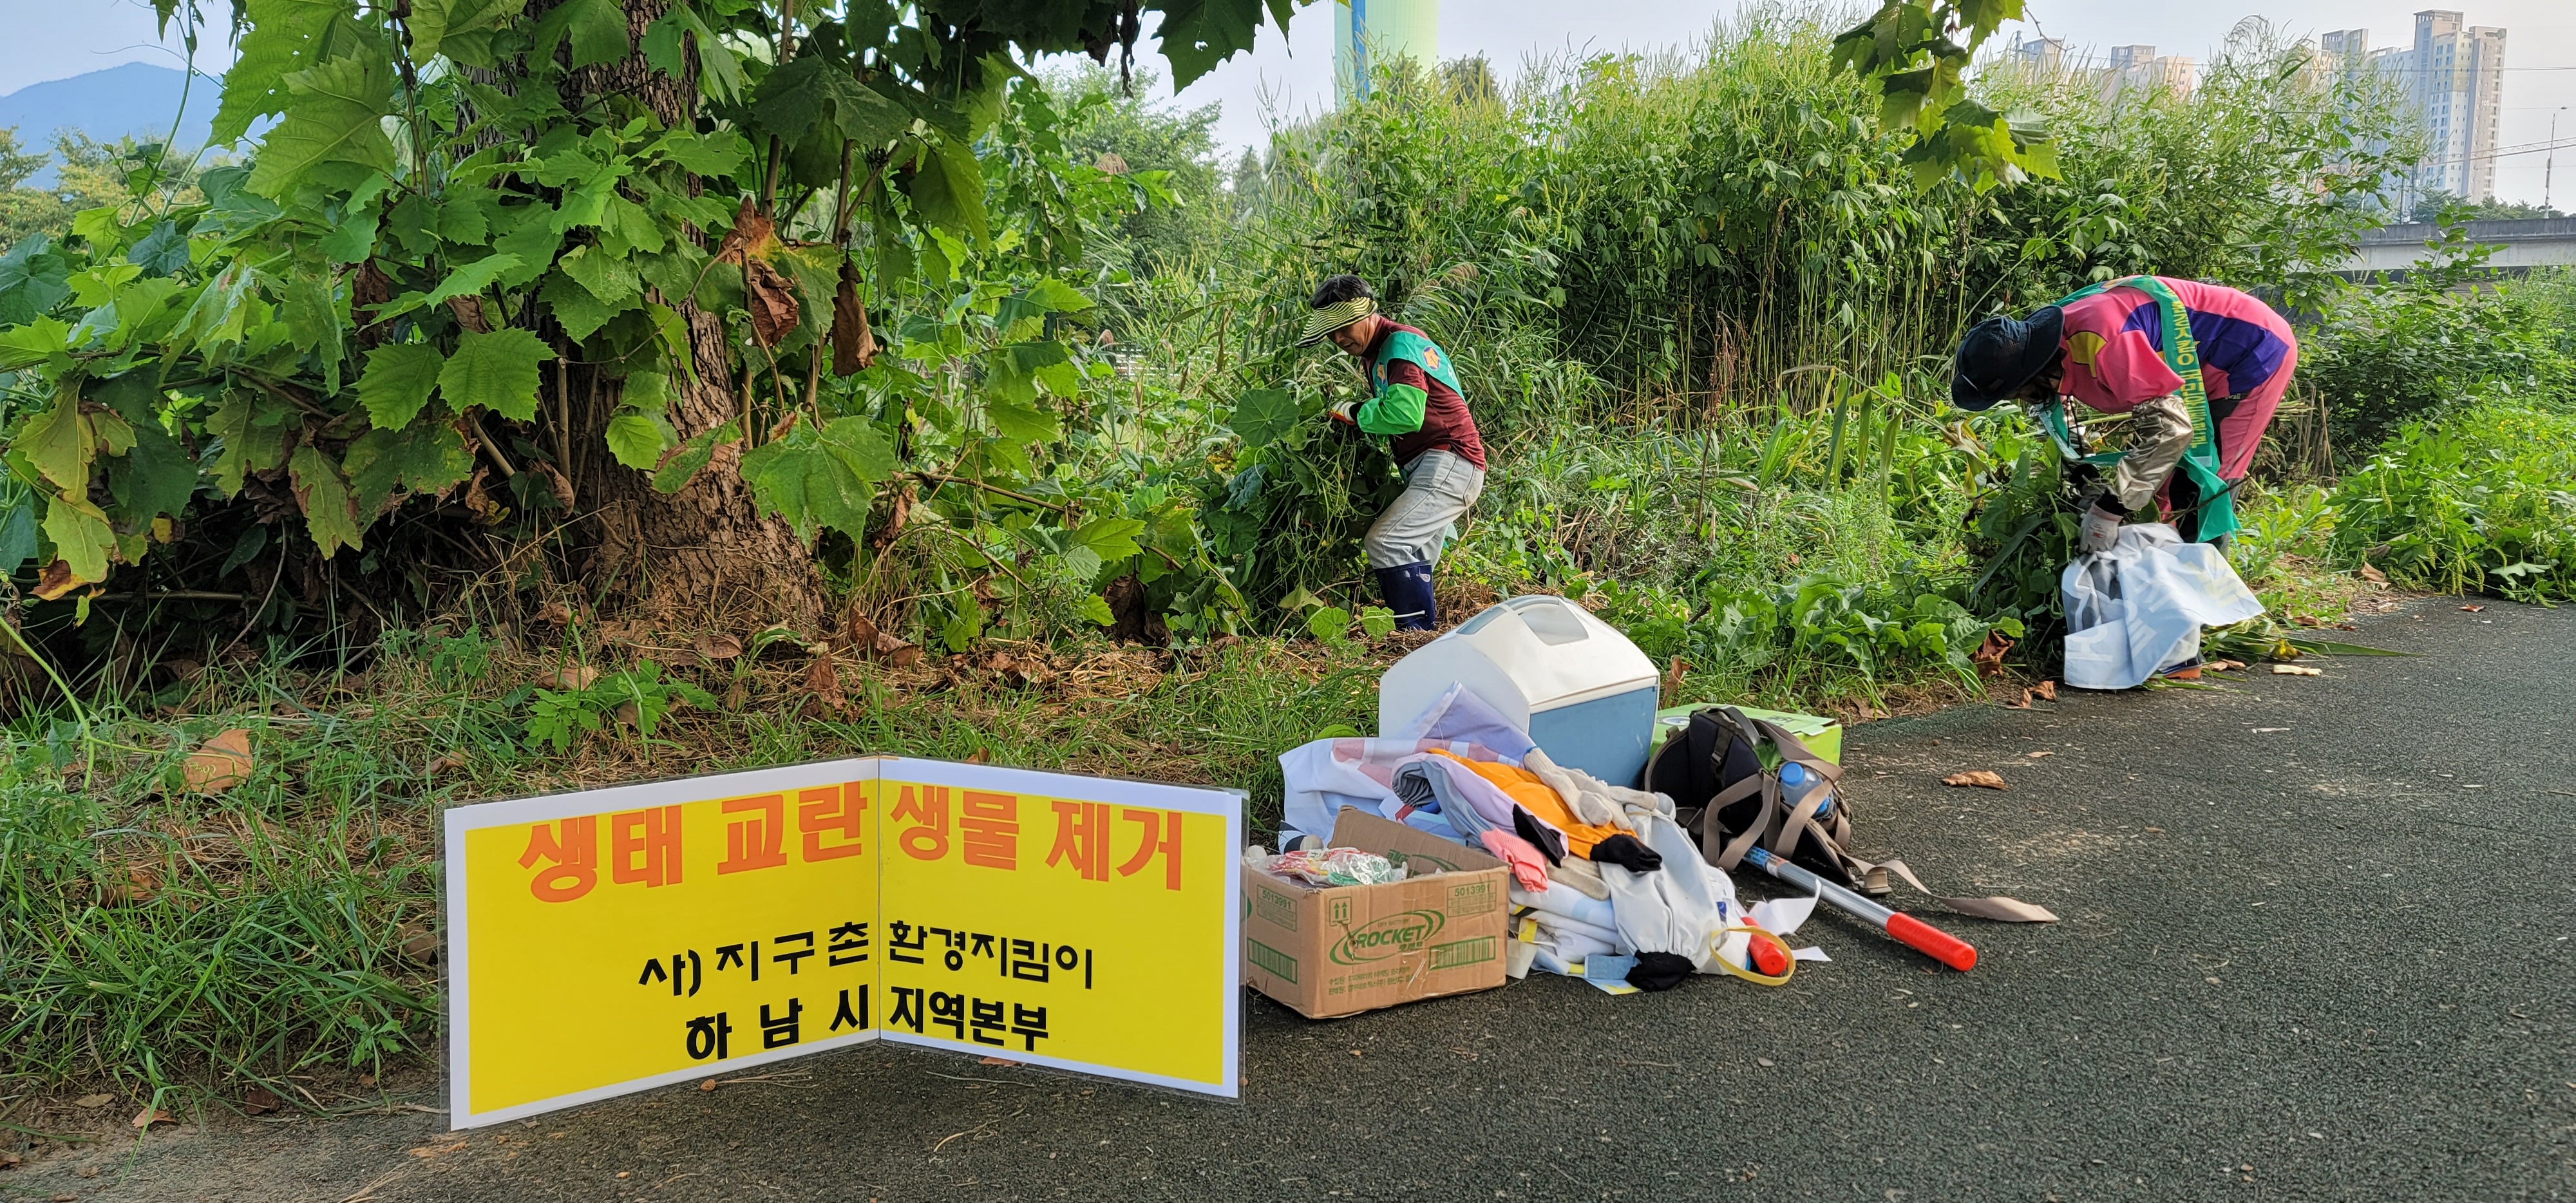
(1229, 804)
(546, 807)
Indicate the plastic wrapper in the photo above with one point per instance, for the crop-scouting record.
(1333, 867)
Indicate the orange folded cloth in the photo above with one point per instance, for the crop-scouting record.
(1544, 804)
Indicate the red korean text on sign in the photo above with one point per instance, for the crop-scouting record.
(926, 808)
(571, 850)
(756, 839)
(830, 813)
(644, 847)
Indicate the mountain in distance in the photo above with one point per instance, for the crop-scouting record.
(134, 98)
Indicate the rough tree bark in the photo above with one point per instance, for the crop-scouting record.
(705, 549)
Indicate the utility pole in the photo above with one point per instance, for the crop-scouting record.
(2549, 171)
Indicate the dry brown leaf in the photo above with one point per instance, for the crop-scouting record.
(556, 480)
(2021, 702)
(823, 683)
(2475, 609)
(2306, 620)
(57, 580)
(716, 645)
(480, 504)
(218, 764)
(1989, 656)
(2296, 670)
(260, 1100)
(11, 1161)
(469, 314)
(153, 1115)
(447, 763)
(978, 756)
(627, 715)
(93, 1101)
(854, 345)
(571, 676)
(772, 302)
(1110, 162)
(1983, 778)
(752, 236)
(137, 886)
(2037, 755)
(708, 1085)
(2373, 575)
(555, 613)
(2226, 666)
(427, 1151)
(2045, 691)
(421, 946)
(996, 1061)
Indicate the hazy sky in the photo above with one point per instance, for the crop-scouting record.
(50, 39)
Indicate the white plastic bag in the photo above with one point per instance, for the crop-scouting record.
(2140, 607)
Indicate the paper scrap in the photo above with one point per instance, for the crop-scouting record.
(1783, 916)
(1808, 954)
(2296, 670)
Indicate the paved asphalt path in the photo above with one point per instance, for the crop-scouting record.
(2316, 945)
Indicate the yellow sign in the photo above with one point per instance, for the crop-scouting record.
(615, 940)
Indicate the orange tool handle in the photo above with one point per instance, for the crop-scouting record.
(1932, 941)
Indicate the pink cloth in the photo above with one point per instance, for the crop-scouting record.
(2114, 344)
(1528, 867)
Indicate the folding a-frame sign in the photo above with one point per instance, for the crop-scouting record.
(614, 940)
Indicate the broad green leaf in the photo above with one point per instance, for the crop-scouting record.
(1377, 622)
(382, 464)
(33, 278)
(1199, 34)
(330, 515)
(1332, 624)
(252, 428)
(704, 154)
(61, 444)
(433, 20)
(638, 440)
(279, 38)
(693, 456)
(135, 396)
(1262, 415)
(157, 476)
(331, 133)
(1063, 379)
(818, 89)
(1056, 296)
(575, 309)
(497, 371)
(469, 280)
(647, 391)
(948, 189)
(397, 382)
(81, 536)
(597, 29)
(817, 479)
(161, 252)
(17, 525)
(1113, 539)
(1022, 423)
(666, 46)
(613, 280)
(313, 323)
(354, 239)
(1095, 608)
(38, 340)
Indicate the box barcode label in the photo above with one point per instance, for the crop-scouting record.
(1463, 952)
(1273, 962)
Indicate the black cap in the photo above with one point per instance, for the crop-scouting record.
(2001, 354)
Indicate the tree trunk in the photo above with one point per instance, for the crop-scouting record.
(705, 550)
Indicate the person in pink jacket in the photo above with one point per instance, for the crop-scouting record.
(2107, 351)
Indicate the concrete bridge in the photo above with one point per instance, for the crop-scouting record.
(2523, 245)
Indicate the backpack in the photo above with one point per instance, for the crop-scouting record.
(1713, 772)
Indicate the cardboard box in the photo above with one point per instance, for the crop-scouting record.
(1330, 951)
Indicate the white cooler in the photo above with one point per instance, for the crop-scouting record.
(1583, 692)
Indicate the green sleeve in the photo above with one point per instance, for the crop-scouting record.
(1396, 410)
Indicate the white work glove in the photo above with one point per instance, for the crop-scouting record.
(2101, 529)
(1346, 411)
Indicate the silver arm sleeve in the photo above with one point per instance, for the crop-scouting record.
(2160, 431)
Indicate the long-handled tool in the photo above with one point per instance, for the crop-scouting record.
(1908, 930)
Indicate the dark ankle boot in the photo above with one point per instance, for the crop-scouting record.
(1407, 588)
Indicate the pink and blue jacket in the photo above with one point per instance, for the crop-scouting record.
(2114, 344)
